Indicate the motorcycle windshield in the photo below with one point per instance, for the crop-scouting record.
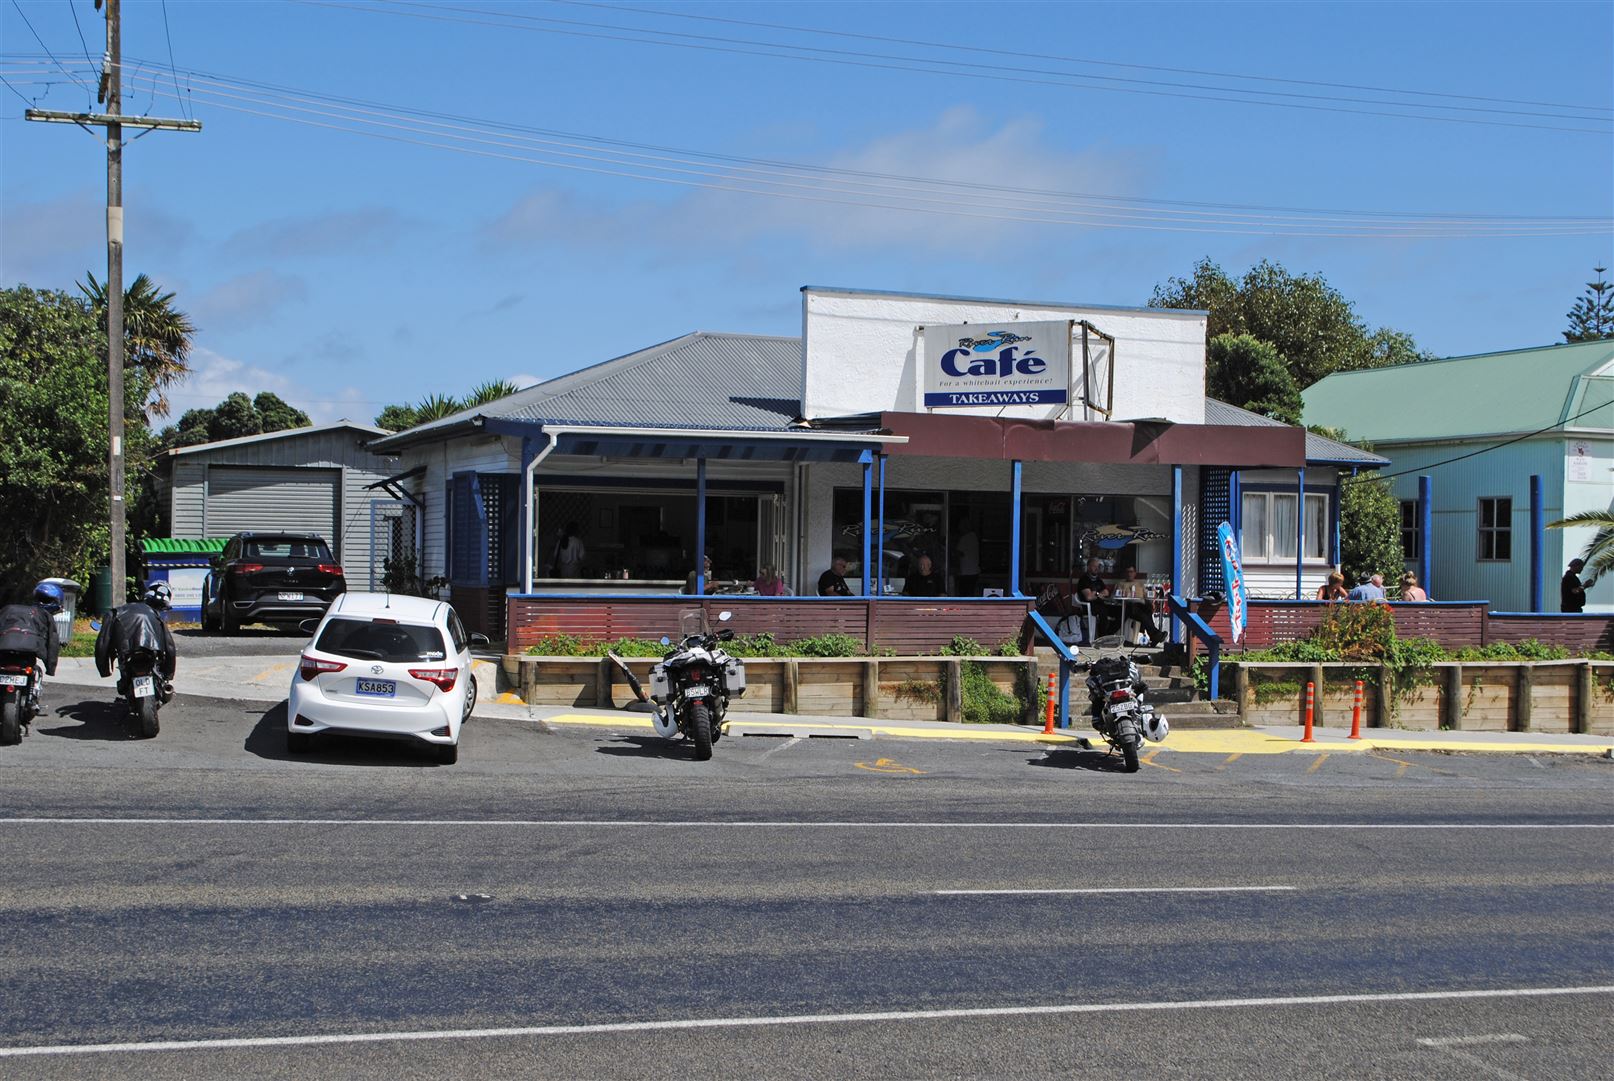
(692, 621)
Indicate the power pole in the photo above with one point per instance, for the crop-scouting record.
(111, 93)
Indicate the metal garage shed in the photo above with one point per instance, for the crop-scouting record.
(320, 479)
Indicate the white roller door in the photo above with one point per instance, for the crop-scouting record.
(265, 499)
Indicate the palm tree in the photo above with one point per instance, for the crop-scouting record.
(156, 335)
(1599, 554)
(435, 407)
(491, 391)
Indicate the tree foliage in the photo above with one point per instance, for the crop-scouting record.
(1592, 317)
(1314, 328)
(396, 418)
(156, 335)
(1369, 529)
(234, 417)
(1599, 551)
(1246, 371)
(53, 467)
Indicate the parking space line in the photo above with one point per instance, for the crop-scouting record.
(1148, 760)
(1317, 762)
(1023, 1011)
(1230, 759)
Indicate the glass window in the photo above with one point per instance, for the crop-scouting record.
(1496, 529)
(1283, 526)
(368, 639)
(1253, 539)
(642, 534)
(456, 631)
(288, 548)
(1318, 534)
(1411, 541)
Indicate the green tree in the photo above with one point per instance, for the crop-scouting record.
(1248, 372)
(275, 415)
(234, 417)
(491, 391)
(156, 335)
(1599, 554)
(397, 418)
(1592, 317)
(1369, 528)
(53, 468)
(436, 407)
(1312, 326)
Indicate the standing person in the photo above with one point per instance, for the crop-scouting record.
(969, 559)
(832, 583)
(924, 582)
(1572, 591)
(569, 553)
(1411, 590)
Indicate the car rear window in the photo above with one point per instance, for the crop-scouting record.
(370, 640)
(288, 548)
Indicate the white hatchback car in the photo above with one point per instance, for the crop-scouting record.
(388, 665)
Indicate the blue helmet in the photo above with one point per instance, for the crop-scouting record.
(48, 595)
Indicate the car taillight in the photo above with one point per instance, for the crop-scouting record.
(246, 568)
(313, 666)
(330, 568)
(1120, 696)
(443, 677)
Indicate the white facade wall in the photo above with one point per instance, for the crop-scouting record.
(479, 453)
(861, 355)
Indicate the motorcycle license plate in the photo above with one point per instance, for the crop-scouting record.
(144, 687)
(1123, 707)
(376, 688)
(9, 679)
(291, 596)
(699, 690)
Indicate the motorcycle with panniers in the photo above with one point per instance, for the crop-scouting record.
(691, 687)
(1119, 710)
(19, 695)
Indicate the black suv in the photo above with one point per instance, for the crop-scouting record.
(270, 578)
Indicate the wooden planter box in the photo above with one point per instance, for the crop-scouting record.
(1478, 696)
(886, 688)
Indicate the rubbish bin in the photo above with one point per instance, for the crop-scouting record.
(101, 591)
(64, 618)
(184, 563)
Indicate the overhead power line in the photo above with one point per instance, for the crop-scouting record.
(1483, 450)
(1025, 54)
(952, 70)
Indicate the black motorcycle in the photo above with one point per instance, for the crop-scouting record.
(144, 689)
(19, 695)
(692, 685)
(1115, 695)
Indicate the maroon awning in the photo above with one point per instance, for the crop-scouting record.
(934, 435)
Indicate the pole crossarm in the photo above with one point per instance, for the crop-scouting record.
(159, 123)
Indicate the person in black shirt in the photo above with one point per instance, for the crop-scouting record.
(832, 583)
(1093, 590)
(1571, 591)
(925, 582)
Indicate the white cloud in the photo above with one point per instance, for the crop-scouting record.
(523, 380)
(213, 377)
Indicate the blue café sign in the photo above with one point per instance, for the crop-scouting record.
(997, 364)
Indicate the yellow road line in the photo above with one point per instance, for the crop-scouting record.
(1318, 762)
(1148, 760)
(1230, 759)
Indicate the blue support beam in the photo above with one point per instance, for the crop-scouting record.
(1300, 534)
(1014, 529)
(1538, 544)
(879, 563)
(868, 516)
(1426, 533)
(1176, 546)
(700, 527)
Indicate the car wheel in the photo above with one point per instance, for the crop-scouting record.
(209, 622)
(470, 699)
(227, 618)
(446, 754)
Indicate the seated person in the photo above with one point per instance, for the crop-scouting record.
(1094, 591)
(924, 582)
(832, 583)
(1134, 588)
(771, 584)
(689, 583)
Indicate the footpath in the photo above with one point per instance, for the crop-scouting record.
(267, 679)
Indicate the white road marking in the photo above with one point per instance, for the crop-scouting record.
(1469, 1041)
(1126, 889)
(779, 824)
(797, 1019)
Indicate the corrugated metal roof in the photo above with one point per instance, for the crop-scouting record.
(284, 433)
(1319, 448)
(1521, 390)
(183, 545)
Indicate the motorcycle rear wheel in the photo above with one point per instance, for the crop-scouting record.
(1129, 752)
(10, 722)
(146, 714)
(700, 730)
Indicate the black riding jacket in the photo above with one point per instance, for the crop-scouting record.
(28, 628)
(134, 626)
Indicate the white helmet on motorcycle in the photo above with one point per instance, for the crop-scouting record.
(661, 718)
(1155, 728)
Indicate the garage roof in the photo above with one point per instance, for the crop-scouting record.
(285, 433)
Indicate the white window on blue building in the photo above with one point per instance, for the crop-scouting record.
(1269, 531)
(1496, 529)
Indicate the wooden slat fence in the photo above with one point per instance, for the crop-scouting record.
(1455, 625)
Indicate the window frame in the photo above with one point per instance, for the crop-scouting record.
(1411, 526)
(1267, 557)
(1501, 526)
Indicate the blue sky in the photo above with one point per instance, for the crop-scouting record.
(344, 271)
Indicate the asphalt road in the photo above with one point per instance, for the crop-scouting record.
(588, 903)
(257, 640)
